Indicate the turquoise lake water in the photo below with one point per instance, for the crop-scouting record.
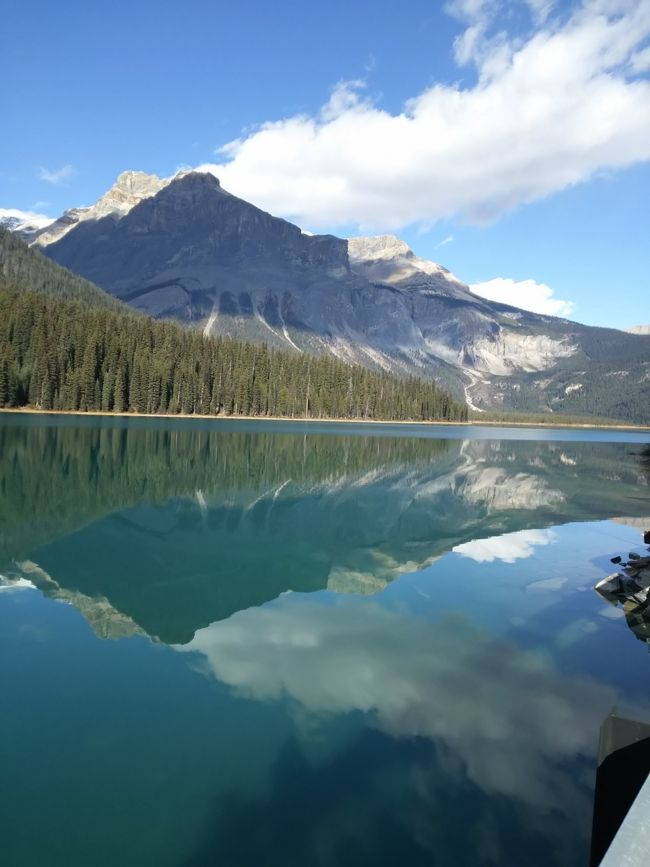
(248, 643)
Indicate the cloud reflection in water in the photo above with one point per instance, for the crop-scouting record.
(511, 717)
(507, 548)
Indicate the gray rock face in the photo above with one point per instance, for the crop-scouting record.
(189, 250)
(388, 259)
(463, 329)
(128, 190)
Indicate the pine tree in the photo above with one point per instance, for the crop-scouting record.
(68, 355)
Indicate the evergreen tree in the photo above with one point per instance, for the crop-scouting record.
(63, 354)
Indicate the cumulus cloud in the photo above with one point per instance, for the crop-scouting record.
(508, 714)
(527, 294)
(550, 107)
(507, 548)
(57, 176)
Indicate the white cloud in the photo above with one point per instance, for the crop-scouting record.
(448, 240)
(527, 294)
(549, 109)
(57, 176)
(507, 548)
(24, 219)
(641, 60)
(540, 9)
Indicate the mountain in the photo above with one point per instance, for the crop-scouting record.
(638, 329)
(187, 249)
(514, 359)
(67, 345)
(25, 269)
(129, 189)
(26, 224)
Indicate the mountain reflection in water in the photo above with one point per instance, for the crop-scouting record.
(175, 529)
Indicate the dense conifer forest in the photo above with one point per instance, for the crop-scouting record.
(69, 346)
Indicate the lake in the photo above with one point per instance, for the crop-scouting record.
(257, 643)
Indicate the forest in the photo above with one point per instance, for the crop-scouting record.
(66, 345)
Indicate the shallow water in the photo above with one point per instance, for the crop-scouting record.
(248, 643)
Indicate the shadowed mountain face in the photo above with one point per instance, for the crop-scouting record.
(188, 250)
(165, 529)
(195, 252)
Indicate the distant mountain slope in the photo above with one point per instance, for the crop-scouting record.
(25, 223)
(193, 252)
(27, 270)
(516, 359)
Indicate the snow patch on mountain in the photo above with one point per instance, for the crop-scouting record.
(26, 222)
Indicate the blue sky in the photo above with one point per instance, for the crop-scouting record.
(508, 140)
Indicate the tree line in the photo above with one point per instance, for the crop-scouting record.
(57, 353)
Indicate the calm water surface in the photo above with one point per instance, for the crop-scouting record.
(279, 644)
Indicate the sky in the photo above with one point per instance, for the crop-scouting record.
(507, 139)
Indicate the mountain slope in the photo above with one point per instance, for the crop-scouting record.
(515, 359)
(193, 252)
(129, 189)
(69, 346)
(27, 270)
(25, 223)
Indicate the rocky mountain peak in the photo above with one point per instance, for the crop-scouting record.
(192, 247)
(198, 175)
(129, 190)
(377, 247)
(196, 181)
(388, 259)
(130, 179)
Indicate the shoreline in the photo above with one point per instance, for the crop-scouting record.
(17, 410)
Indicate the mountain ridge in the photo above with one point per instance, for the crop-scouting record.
(193, 252)
(130, 188)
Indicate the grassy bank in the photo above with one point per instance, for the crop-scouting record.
(512, 420)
